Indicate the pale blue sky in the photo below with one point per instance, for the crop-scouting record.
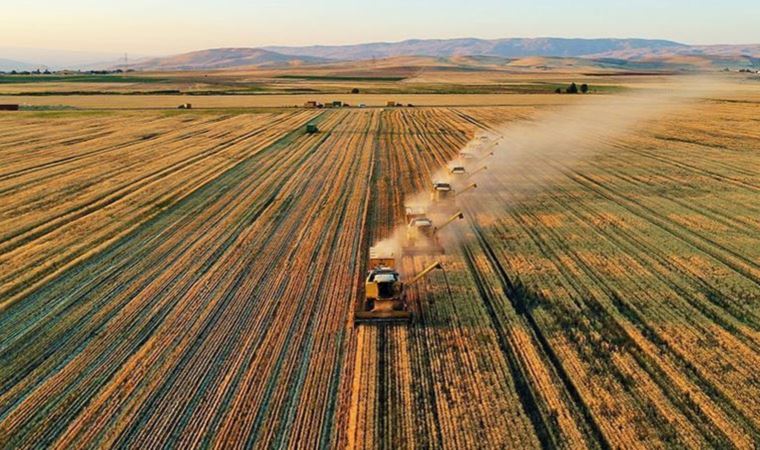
(171, 26)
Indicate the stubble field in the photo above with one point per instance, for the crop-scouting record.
(189, 278)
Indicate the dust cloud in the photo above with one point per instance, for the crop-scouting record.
(531, 155)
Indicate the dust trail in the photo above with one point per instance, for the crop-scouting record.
(564, 137)
(573, 134)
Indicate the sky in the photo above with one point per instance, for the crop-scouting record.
(161, 27)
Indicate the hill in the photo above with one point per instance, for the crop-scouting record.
(628, 54)
(506, 48)
(224, 58)
(7, 65)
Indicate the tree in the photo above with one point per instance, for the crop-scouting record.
(558, 91)
(355, 90)
(584, 88)
(572, 89)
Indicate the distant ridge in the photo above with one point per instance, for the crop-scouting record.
(10, 64)
(505, 48)
(225, 58)
(634, 54)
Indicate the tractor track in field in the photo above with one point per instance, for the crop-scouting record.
(523, 311)
(729, 257)
(649, 256)
(640, 323)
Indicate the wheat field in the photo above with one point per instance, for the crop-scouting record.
(188, 279)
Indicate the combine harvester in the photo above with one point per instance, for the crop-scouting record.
(384, 291)
(459, 173)
(422, 236)
(443, 196)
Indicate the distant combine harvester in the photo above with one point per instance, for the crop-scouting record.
(312, 128)
(9, 107)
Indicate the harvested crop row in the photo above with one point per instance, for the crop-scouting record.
(594, 312)
(592, 239)
(143, 297)
(440, 383)
(94, 215)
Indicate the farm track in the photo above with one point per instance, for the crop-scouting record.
(190, 279)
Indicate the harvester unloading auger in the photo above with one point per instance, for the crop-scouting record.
(468, 188)
(485, 157)
(384, 291)
(474, 172)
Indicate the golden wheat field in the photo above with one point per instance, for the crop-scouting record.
(188, 279)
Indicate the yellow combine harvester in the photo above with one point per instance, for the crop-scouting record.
(415, 212)
(464, 155)
(442, 193)
(422, 236)
(443, 196)
(384, 296)
(459, 173)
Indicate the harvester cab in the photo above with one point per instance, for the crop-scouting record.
(384, 296)
(415, 212)
(467, 156)
(422, 236)
(457, 172)
(443, 193)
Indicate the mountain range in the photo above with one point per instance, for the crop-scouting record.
(10, 64)
(505, 48)
(627, 53)
(224, 58)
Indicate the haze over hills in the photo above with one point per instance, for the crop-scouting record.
(34, 58)
(10, 64)
(635, 54)
(223, 58)
(507, 48)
